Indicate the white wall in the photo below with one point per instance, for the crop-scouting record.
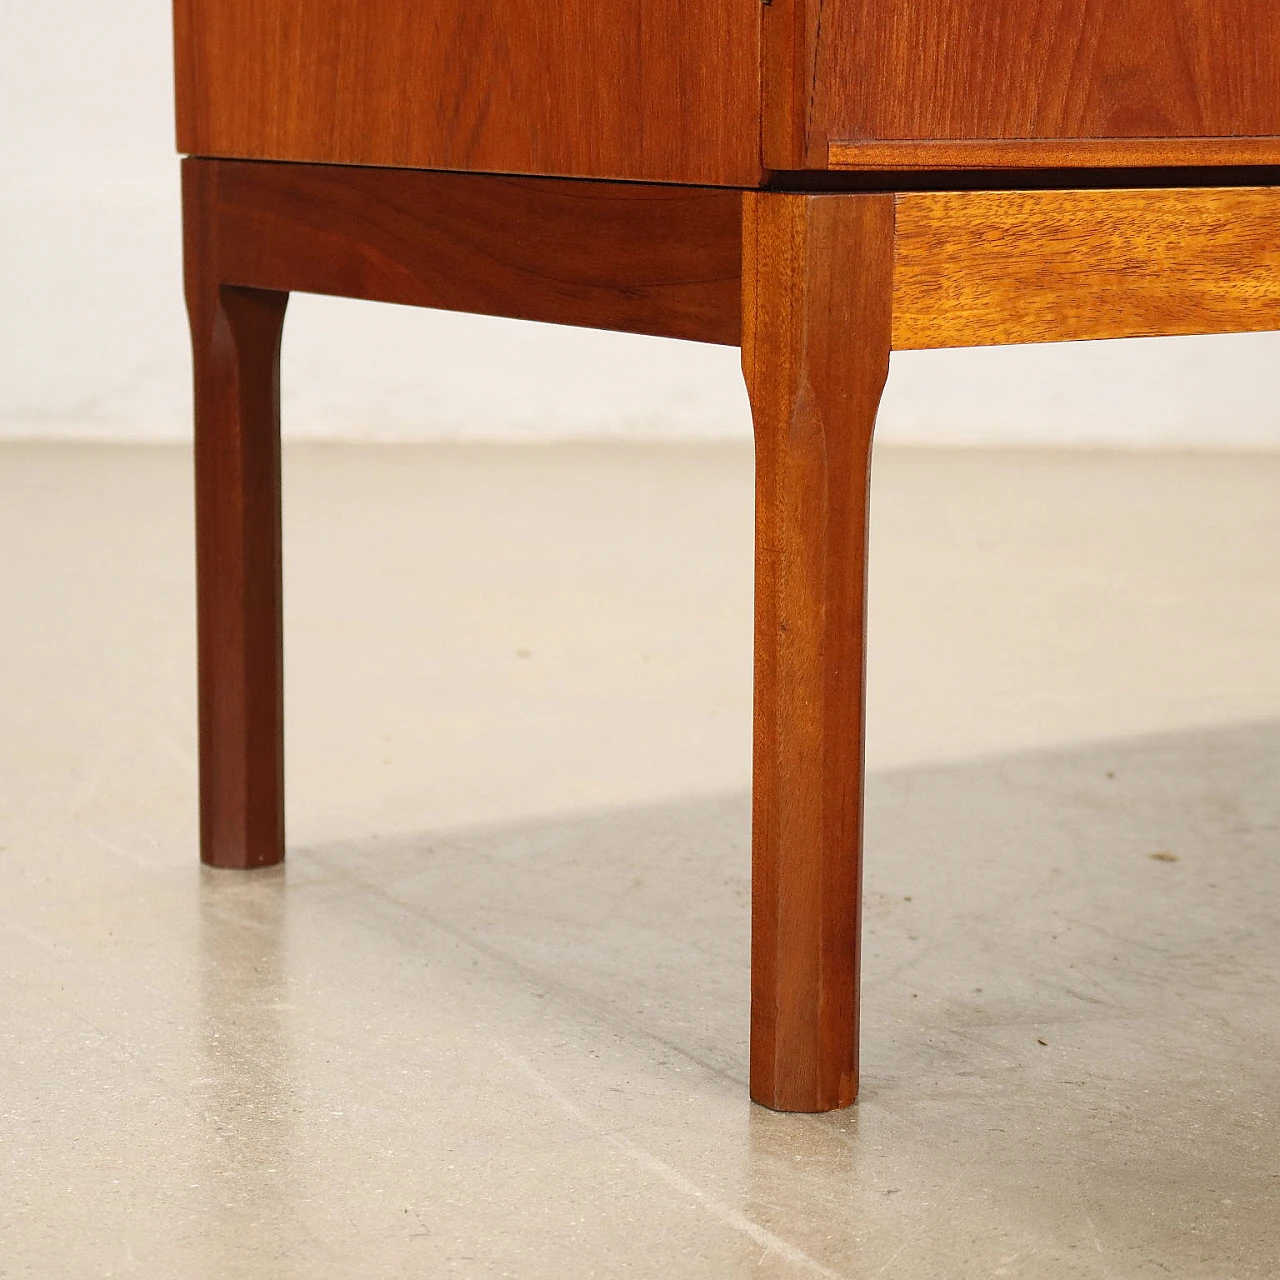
(93, 342)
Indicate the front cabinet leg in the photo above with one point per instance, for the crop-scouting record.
(817, 285)
(235, 336)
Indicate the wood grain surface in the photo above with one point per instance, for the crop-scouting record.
(235, 339)
(652, 90)
(794, 90)
(816, 295)
(845, 72)
(710, 91)
(985, 268)
(633, 257)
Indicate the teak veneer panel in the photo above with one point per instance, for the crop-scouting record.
(980, 268)
(648, 90)
(688, 90)
(846, 72)
(638, 258)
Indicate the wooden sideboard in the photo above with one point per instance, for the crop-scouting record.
(724, 91)
(818, 181)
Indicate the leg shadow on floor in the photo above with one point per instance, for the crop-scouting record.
(1072, 1001)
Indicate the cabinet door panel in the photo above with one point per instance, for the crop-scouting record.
(1017, 71)
(1054, 68)
(661, 90)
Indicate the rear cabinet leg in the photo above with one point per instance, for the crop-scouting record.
(235, 337)
(817, 281)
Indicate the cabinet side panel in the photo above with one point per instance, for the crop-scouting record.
(657, 90)
(1051, 69)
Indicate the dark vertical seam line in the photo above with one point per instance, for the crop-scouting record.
(762, 104)
(811, 104)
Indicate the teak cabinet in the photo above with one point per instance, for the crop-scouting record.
(817, 181)
(720, 91)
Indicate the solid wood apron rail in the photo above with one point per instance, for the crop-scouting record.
(635, 257)
(970, 268)
(818, 288)
(982, 268)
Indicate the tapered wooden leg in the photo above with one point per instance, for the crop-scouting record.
(817, 276)
(236, 344)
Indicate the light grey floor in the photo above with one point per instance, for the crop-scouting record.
(491, 1019)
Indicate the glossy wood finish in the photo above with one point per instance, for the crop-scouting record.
(633, 257)
(985, 268)
(647, 90)
(712, 91)
(845, 72)
(235, 337)
(817, 275)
